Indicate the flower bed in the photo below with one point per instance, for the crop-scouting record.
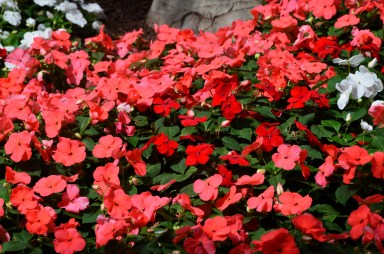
(263, 137)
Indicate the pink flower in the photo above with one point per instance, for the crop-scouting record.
(208, 189)
(287, 156)
(71, 200)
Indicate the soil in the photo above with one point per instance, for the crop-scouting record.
(123, 16)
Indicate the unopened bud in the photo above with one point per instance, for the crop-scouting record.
(279, 189)
(261, 171)
(225, 123)
(372, 63)
(348, 118)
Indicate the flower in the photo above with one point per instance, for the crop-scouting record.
(208, 189)
(198, 154)
(14, 177)
(18, 145)
(12, 17)
(263, 202)
(291, 203)
(71, 200)
(69, 152)
(49, 185)
(230, 198)
(68, 241)
(354, 61)
(107, 145)
(165, 145)
(276, 241)
(199, 243)
(358, 219)
(286, 156)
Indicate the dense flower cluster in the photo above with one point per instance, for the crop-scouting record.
(239, 141)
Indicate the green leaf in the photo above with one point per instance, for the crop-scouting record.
(14, 246)
(356, 114)
(343, 193)
(231, 143)
(89, 144)
(90, 217)
(188, 189)
(307, 118)
(179, 167)
(276, 179)
(141, 121)
(170, 131)
(153, 169)
(187, 174)
(159, 123)
(22, 236)
(98, 56)
(324, 208)
(312, 153)
(378, 142)
(265, 111)
(83, 122)
(245, 133)
(332, 123)
(332, 83)
(321, 132)
(91, 131)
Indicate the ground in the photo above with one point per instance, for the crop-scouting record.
(125, 15)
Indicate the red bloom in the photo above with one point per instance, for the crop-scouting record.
(107, 145)
(40, 220)
(134, 158)
(231, 107)
(286, 156)
(230, 198)
(324, 47)
(6, 126)
(117, 203)
(358, 220)
(208, 189)
(276, 241)
(191, 120)
(23, 198)
(216, 228)
(309, 225)
(292, 203)
(199, 243)
(271, 136)
(263, 202)
(165, 145)
(299, 95)
(234, 158)
(255, 179)
(198, 154)
(226, 174)
(106, 176)
(18, 145)
(68, 241)
(69, 152)
(14, 177)
(163, 107)
(378, 165)
(49, 185)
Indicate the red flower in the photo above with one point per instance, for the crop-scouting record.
(231, 107)
(230, 198)
(309, 225)
(255, 179)
(117, 203)
(49, 185)
(14, 177)
(165, 145)
(6, 126)
(18, 145)
(199, 243)
(358, 220)
(226, 174)
(69, 152)
(198, 154)
(378, 165)
(263, 202)
(299, 95)
(324, 47)
(292, 203)
(271, 136)
(68, 241)
(106, 176)
(286, 156)
(163, 107)
(23, 198)
(276, 241)
(216, 228)
(191, 120)
(40, 220)
(234, 158)
(134, 158)
(208, 189)
(107, 145)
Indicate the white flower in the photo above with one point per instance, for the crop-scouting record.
(12, 17)
(29, 37)
(49, 15)
(353, 61)
(30, 22)
(45, 2)
(343, 101)
(125, 107)
(66, 6)
(76, 17)
(92, 8)
(366, 126)
(4, 34)
(96, 25)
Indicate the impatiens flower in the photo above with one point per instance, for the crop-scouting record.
(134, 158)
(286, 156)
(230, 198)
(49, 185)
(234, 158)
(23, 198)
(309, 225)
(231, 107)
(208, 189)
(12, 17)
(163, 107)
(358, 220)
(216, 228)
(354, 61)
(190, 119)
(107, 145)
(165, 145)
(69, 152)
(117, 203)
(276, 241)
(263, 202)
(291, 203)
(1, 207)
(199, 243)
(325, 9)
(299, 96)
(105, 176)
(366, 126)
(271, 136)
(71, 200)
(14, 177)
(6, 126)
(198, 154)
(377, 112)
(255, 179)
(18, 145)
(347, 20)
(378, 165)
(68, 241)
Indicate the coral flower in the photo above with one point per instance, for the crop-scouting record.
(287, 156)
(68, 241)
(18, 145)
(69, 152)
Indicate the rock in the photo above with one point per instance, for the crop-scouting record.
(206, 15)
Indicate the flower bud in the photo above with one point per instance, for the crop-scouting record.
(225, 123)
(261, 171)
(348, 118)
(279, 189)
(372, 63)
(365, 126)
(30, 22)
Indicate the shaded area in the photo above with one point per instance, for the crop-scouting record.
(123, 16)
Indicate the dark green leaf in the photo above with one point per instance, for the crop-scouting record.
(91, 131)
(90, 217)
(378, 142)
(83, 122)
(89, 144)
(307, 118)
(170, 131)
(343, 193)
(265, 111)
(356, 114)
(231, 143)
(332, 83)
(321, 132)
(324, 208)
(22, 236)
(188, 189)
(179, 167)
(14, 246)
(141, 121)
(153, 169)
(333, 124)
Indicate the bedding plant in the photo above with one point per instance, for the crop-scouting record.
(264, 137)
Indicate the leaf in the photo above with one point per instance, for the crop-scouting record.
(141, 121)
(355, 114)
(332, 123)
(324, 208)
(343, 193)
(153, 169)
(91, 131)
(307, 118)
(14, 246)
(188, 189)
(90, 217)
(332, 83)
(378, 142)
(265, 111)
(83, 122)
(231, 143)
(89, 143)
(187, 174)
(22, 236)
(159, 123)
(245, 133)
(179, 167)
(312, 153)
(321, 132)
(276, 179)
(170, 131)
